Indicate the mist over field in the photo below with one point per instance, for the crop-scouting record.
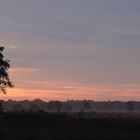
(70, 106)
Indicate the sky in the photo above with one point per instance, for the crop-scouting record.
(72, 49)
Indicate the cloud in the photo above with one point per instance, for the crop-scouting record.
(64, 90)
(125, 31)
(24, 69)
(12, 46)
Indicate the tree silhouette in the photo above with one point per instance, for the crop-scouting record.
(130, 106)
(4, 77)
(54, 106)
(34, 108)
(18, 108)
(58, 106)
(86, 105)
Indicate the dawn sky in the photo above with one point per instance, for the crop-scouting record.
(72, 49)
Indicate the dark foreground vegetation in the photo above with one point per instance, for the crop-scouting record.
(72, 126)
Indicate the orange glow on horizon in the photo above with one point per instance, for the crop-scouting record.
(92, 92)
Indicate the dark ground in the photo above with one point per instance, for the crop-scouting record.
(74, 126)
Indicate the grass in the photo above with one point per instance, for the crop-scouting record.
(72, 126)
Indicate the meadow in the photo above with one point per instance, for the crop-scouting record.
(69, 126)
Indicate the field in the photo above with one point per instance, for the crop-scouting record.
(72, 126)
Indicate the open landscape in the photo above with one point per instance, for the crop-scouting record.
(39, 120)
(69, 69)
(69, 126)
